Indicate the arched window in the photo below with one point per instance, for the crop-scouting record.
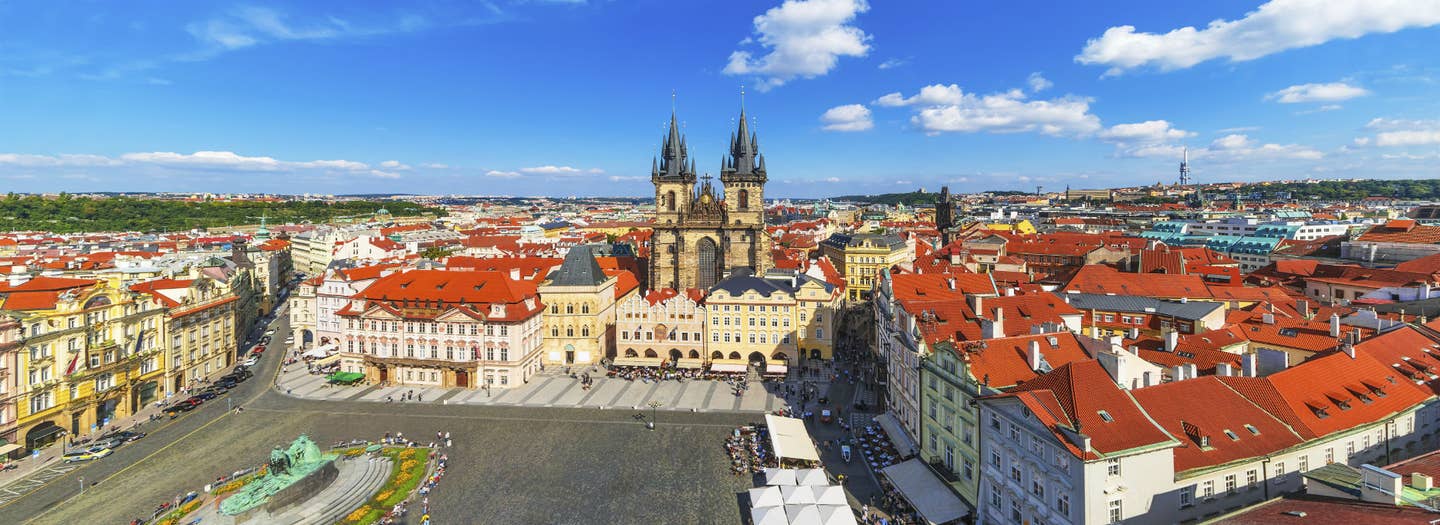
(585, 308)
(569, 308)
(670, 201)
(569, 331)
(554, 331)
(554, 308)
(744, 199)
(585, 331)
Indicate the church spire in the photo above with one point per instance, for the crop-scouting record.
(744, 159)
(673, 154)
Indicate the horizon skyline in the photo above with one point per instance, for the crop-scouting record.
(523, 97)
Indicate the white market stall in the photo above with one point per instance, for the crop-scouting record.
(926, 492)
(766, 497)
(789, 439)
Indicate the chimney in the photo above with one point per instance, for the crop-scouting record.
(515, 274)
(950, 282)
(1248, 365)
(1172, 339)
(1349, 350)
(1116, 340)
(1335, 325)
(1191, 371)
(1421, 482)
(1010, 292)
(1224, 370)
(1268, 318)
(977, 304)
(1304, 307)
(1134, 333)
(994, 329)
(1177, 373)
(1034, 355)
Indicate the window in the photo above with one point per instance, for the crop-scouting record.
(995, 459)
(1230, 484)
(1329, 455)
(1279, 471)
(1252, 478)
(1015, 473)
(994, 422)
(1304, 464)
(969, 470)
(1112, 467)
(1038, 489)
(1207, 489)
(1117, 512)
(1187, 496)
(1062, 505)
(1015, 515)
(1014, 432)
(1349, 450)
(995, 495)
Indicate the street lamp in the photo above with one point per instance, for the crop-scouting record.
(654, 410)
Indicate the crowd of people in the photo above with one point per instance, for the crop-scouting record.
(649, 374)
(876, 447)
(893, 505)
(749, 450)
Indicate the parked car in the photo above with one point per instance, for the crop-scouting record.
(124, 436)
(89, 454)
(195, 401)
(252, 360)
(208, 394)
(226, 383)
(826, 416)
(289, 341)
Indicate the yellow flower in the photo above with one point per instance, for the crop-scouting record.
(359, 514)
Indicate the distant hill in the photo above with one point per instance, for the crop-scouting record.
(913, 198)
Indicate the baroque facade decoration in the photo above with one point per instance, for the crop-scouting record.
(700, 235)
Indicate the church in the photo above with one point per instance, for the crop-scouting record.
(701, 235)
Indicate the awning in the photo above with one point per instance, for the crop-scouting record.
(830, 495)
(926, 492)
(776, 367)
(8, 448)
(320, 351)
(797, 495)
(44, 431)
(344, 377)
(326, 360)
(729, 365)
(768, 516)
(694, 363)
(812, 477)
(765, 497)
(638, 361)
(789, 439)
(904, 444)
(779, 476)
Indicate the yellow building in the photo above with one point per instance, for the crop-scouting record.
(782, 316)
(580, 310)
(1023, 226)
(860, 257)
(90, 352)
(201, 324)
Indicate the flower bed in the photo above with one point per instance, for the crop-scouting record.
(407, 471)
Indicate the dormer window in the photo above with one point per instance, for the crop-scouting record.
(1106, 416)
(1231, 435)
(1253, 431)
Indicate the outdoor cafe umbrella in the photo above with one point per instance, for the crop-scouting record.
(779, 476)
(800, 495)
(765, 497)
(768, 516)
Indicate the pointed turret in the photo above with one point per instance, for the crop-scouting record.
(743, 161)
(674, 154)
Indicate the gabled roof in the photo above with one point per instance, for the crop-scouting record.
(1192, 310)
(1204, 414)
(1005, 362)
(39, 293)
(1331, 393)
(1100, 279)
(937, 286)
(579, 269)
(1081, 397)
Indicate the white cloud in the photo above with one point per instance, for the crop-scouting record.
(394, 165)
(851, 117)
(1275, 26)
(1331, 92)
(932, 95)
(1148, 132)
(804, 39)
(231, 160)
(1010, 112)
(435, 166)
(832, 180)
(385, 174)
(502, 174)
(56, 161)
(1399, 132)
(623, 178)
(551, 170)
(1232, 147)
(1038, 83)
(893, 63)
(248, 26)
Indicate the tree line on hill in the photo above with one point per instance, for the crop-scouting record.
(69, 214)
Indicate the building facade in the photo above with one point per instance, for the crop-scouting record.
(439, 328)
(661, 324)
(202, 319)
(700, 234)
(782, 316)
(579, 327)
(861, 257)
(91, 352)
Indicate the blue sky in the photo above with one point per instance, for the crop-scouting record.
(569, 97)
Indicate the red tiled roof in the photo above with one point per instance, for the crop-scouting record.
(1286, 511)
(417, 292)
(939, 286)
(1402, 231)
(1206, 407)
(1005, 362)
(39, 293)
(1074, 395)
(1326, 394)
(1100, 279)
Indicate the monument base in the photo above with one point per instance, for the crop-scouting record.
(297, 492)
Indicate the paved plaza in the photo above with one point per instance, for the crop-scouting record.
(555, 389)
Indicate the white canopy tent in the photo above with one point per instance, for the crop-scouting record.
(789, 438)
(320, 351)
(830, 495)
(811, 476)
(766, 497)
(779, 476)
(797, 495)
(836, 514)
(768, 516)
(924, 490)
(803, 514)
